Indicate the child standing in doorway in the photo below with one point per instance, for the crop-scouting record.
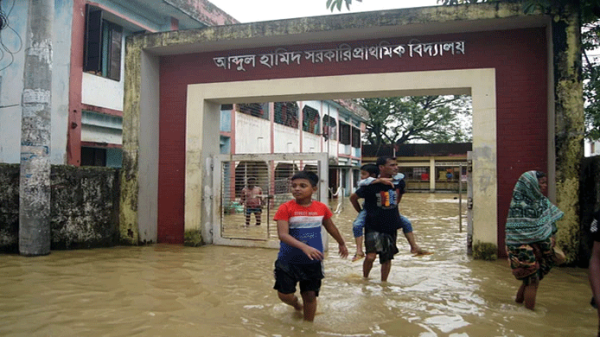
(252, 201)
(299, 224)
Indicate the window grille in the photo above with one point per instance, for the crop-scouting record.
(344, 133)
(254, 109)
(245, 181)
(355, 137)
(310, 120)
(103, 45)
(92, 156)
(329, 128)
(286, 113)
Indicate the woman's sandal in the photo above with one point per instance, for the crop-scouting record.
(357, 257)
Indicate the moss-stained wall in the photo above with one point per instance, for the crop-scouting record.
(9, 207)
(83, 211)
(128, 217)
(569, 124)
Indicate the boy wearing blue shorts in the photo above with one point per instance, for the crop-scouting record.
(299, 224)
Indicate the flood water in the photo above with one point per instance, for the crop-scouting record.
(167, 290)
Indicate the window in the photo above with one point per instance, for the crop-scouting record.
(286, 113)
(92, 156)
(329, 128)
(355, 137)
(344, 133)
(103, 44)
(254, 109)
(310, 120)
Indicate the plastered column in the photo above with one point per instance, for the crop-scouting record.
(566, 38)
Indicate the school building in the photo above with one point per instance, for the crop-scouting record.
(88, 71)
(427, 167)
(333, 127)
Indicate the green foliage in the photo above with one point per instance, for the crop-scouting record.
(485, 251)
(590, 13)
(434, 119)
(192, 238)
(337, 4)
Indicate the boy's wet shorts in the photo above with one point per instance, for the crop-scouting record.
(251, 210)
(287, 275)
(382, 244)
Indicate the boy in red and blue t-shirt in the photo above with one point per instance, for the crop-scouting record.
(299, 224)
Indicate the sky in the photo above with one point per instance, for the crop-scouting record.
(266, 10)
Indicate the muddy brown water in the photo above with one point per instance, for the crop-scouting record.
(168, 290)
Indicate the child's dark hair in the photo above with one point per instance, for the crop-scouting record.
(372, 169)
(539, 174)
(310, 176)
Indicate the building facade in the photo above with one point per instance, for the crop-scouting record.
(426, 167)
(88, 58)
(334, 127)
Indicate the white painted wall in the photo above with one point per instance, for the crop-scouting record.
(104, 92)
(11, 86)
(288, 139)
(253, 134)
(91, 133)
(61, 69)
(591, 148)
(311, 142)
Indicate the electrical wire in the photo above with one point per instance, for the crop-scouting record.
(4, 25)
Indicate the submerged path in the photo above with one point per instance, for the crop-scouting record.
(162, 290)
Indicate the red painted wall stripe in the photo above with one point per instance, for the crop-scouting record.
(75, 80)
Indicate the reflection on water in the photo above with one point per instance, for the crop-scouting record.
(165, 290)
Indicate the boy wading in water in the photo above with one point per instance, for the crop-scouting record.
(383, 218)
(299, 224)
(369, 175)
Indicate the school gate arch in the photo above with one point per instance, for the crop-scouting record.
(507, 61)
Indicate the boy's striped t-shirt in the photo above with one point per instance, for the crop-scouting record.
(305, 226)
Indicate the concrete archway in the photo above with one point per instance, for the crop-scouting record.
(508, 66)
(204, 101)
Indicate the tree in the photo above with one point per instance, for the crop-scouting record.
(333, 4)
(590, 13)
(434, 119)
